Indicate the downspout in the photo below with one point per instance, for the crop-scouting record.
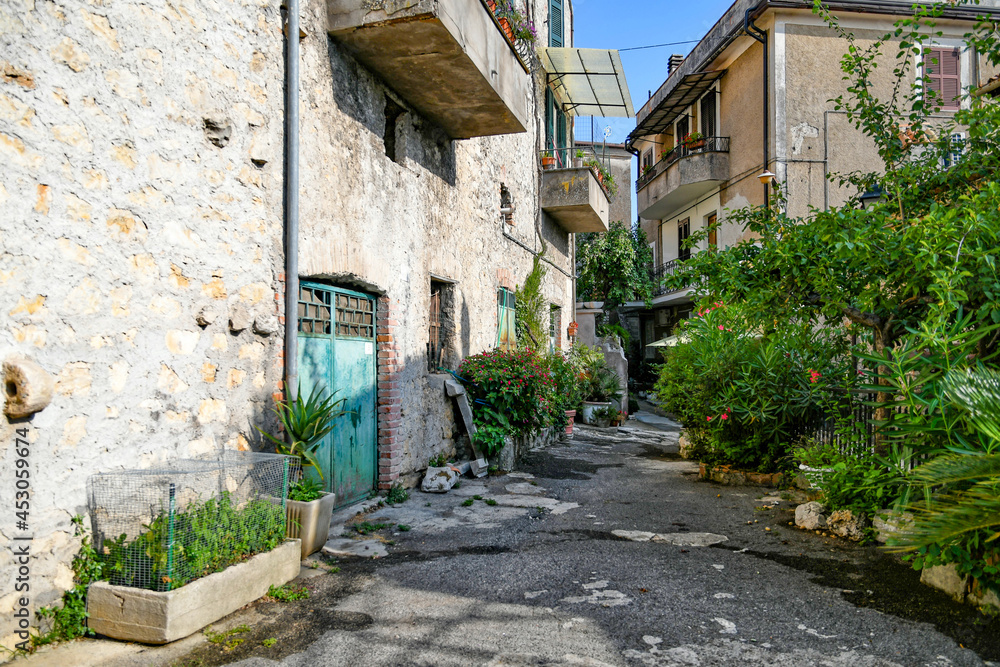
(292, 201)
(751, 29)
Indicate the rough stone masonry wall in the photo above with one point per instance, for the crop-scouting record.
(141, 186)
(386, 226)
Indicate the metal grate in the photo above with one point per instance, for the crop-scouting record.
(355, 317)
(314, 310)
(161, 528)
(435, 347)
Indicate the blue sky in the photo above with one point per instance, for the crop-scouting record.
(622, 24)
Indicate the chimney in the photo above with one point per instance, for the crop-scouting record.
(674, 62)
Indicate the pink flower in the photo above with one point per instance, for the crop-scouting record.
(725, 416)
(721, 327)
(709, 419)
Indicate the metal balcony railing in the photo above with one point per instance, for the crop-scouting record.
(659, 273)
(680, 151)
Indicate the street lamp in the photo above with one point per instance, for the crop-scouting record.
(766, 178)
(872, 196)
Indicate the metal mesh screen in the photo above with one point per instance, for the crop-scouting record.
(161, 528)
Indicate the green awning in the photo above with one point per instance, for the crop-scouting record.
(589, 82)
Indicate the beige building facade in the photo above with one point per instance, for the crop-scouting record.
(142, 262)
(704, 137)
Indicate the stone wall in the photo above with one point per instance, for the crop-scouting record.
(388, 224)
(141, 261)
(141, 199)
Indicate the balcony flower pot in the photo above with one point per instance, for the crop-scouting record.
(309, 522)
(155, 617)
(695, 145)
(508, 31)
(548, 162)
(492, 5)
(570, 414)
(571, 331)
(589, 407)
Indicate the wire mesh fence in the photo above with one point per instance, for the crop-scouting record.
(163, 527)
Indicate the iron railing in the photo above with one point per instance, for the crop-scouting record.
(659, 273)
(706, 145)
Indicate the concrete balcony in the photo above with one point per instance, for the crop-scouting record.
(575, 199)
(447, 58)
(682, 175)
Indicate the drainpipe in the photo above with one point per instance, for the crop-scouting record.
(751, 29)
(292, 201)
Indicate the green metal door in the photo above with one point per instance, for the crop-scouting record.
(337, 351)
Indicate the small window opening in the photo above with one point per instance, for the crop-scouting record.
(440, 326)
(393, 112)
(555, 328)
(683, 232)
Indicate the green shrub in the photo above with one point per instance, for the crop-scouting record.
(859, 482)
(753, 392)
(514, 387)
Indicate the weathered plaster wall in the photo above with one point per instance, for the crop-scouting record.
(387, 225)
(740, 114)
(121, 220)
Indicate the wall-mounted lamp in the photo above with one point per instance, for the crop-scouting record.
(766, 178)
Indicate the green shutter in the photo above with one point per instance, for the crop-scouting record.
(555, 23)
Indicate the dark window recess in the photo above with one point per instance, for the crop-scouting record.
(440, 329)
(555, 329)
(708, 128)
(713, 237)
(393, 112)
(647, 159)
(506, 205)
(942, 74)
(683, 232)
(683, 128)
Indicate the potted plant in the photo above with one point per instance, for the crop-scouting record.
(605, 416)
(601, 388)
(548, 161)
(572, 329)
(306, 421)
(693, 140)
(578, 158)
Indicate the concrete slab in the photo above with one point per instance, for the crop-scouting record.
(656, 421)
(347, 547)
(525, 488)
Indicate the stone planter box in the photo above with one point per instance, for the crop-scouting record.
(589, 407)
(152, 617)
(309, 522)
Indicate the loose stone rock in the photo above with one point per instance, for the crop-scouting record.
(810, 516)
(439, 480)
(848, 525)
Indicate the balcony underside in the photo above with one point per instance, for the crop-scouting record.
(574, 199)
(685, 180)
(446, 58)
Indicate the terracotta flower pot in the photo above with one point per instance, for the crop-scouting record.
(507, 29)
(570, 414)
(548, 163)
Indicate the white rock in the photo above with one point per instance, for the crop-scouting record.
(439, 480)
(810, 516)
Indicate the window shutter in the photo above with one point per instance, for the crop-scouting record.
(555, 22)
(942, 73)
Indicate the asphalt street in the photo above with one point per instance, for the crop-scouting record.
(547, 576)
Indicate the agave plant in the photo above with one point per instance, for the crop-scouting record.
(963, 486)
(306, 421)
